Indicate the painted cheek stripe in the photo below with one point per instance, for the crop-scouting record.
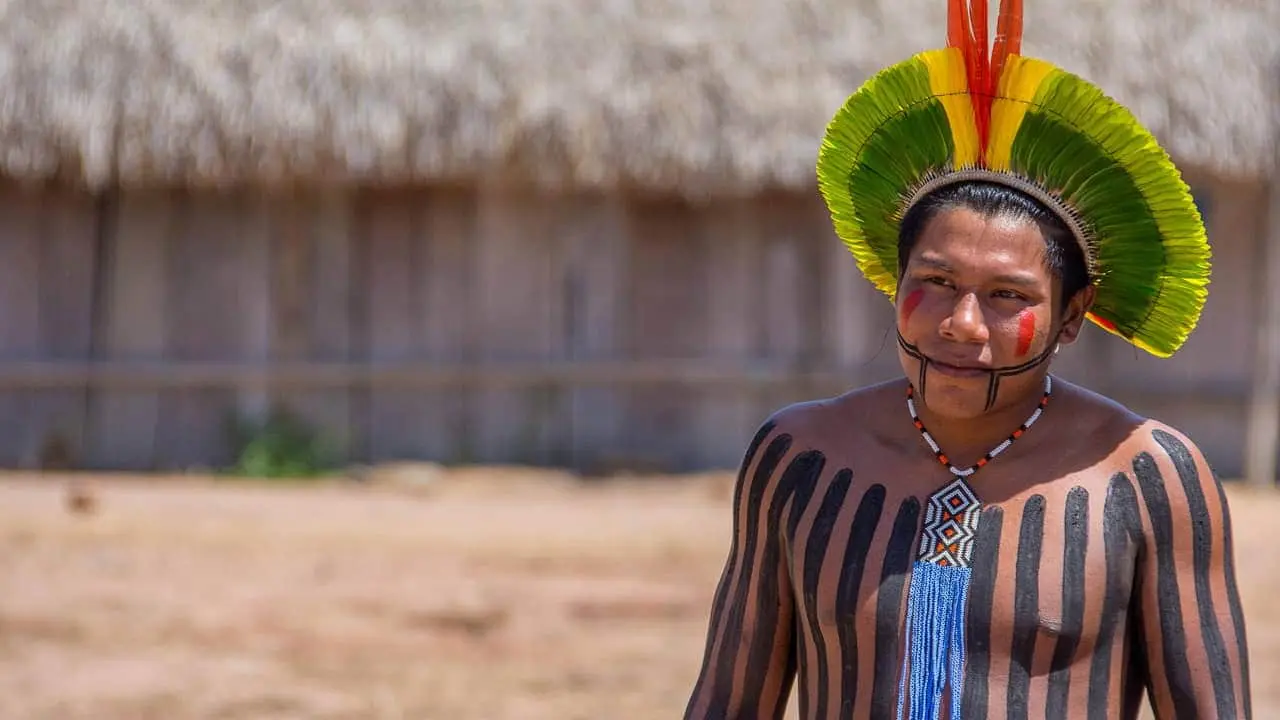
(910, 303)
(1026, 332)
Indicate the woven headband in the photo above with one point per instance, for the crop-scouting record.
(967, 113)
(1026, 187)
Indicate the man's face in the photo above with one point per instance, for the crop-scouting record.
(976, 297)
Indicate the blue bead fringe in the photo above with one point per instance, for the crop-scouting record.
(934, 660)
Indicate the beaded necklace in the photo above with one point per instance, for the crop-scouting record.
(951, 518)
(939, 586)
(966, 472)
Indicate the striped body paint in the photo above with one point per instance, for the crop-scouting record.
(1076, 601)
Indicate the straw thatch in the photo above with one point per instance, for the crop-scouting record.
(699, 96)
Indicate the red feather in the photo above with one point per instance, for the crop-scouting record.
(979, 68)
(957, 13)
(1008, 39)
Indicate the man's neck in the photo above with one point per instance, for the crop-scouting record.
(965, 441)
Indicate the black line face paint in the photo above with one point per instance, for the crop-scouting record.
(914, 352)
(1119, 532)
(815, 554)
(1173, 635)
(733, 613)
(802, 472)
(1026, 606)
(865, 522)
(897, 565)
(982, 594)
(1202, 550)
(994, 375)
(1075, 546)
(722, 592)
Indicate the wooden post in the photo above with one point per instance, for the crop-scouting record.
(126, 421)
(1264, 410)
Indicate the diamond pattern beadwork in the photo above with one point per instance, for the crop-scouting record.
(950, 524)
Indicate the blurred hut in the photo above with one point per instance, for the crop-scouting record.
(553, 232)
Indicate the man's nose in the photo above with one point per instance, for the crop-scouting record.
(966, 322)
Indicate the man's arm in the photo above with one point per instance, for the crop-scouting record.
(1190, 624)
(749, 662)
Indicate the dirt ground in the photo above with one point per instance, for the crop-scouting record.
(495, 594)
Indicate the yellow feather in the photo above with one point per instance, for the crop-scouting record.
(1019, 83)
(950, 83)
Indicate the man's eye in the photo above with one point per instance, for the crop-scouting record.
(937, 281)
(1008, 295)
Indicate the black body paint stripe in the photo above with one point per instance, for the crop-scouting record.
(861, 533)
(784, 693)
(1075, 528)
(1026, 607)
(982, 593)
(802, 666)
(722, 592)
(1233, 599)
(1173, 640)
(800, 485)
(734, 613)
(803, 471)
(897, 566)
(801, 495)
(1119, 528)
(815, 553)
(1202, 557)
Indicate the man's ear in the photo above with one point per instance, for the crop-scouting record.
(1073, 315)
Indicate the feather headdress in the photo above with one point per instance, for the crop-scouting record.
(970, 112)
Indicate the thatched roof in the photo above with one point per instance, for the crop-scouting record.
(701, 96)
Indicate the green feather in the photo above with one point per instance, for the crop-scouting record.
(879, 145)
(1148, 241)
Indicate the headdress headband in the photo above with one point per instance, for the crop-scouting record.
(965, 113)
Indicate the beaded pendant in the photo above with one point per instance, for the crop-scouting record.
(939, 588)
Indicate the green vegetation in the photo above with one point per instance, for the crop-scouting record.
(281, 446)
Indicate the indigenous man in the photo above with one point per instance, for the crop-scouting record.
(980, 539)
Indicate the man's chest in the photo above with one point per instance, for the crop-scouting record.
(1049, 570)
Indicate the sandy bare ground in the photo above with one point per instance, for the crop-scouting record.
(485, 595)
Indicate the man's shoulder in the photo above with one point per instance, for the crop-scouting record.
(852, 411)
(1162, 460)
(1128, 433)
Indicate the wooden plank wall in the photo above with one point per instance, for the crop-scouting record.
(752, 304)
(47, 242)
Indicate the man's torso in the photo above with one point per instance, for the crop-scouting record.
(1052, 571)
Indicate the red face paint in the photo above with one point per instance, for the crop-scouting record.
(910, 303)
(1026, 332)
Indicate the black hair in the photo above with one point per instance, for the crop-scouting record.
(1063, 256)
